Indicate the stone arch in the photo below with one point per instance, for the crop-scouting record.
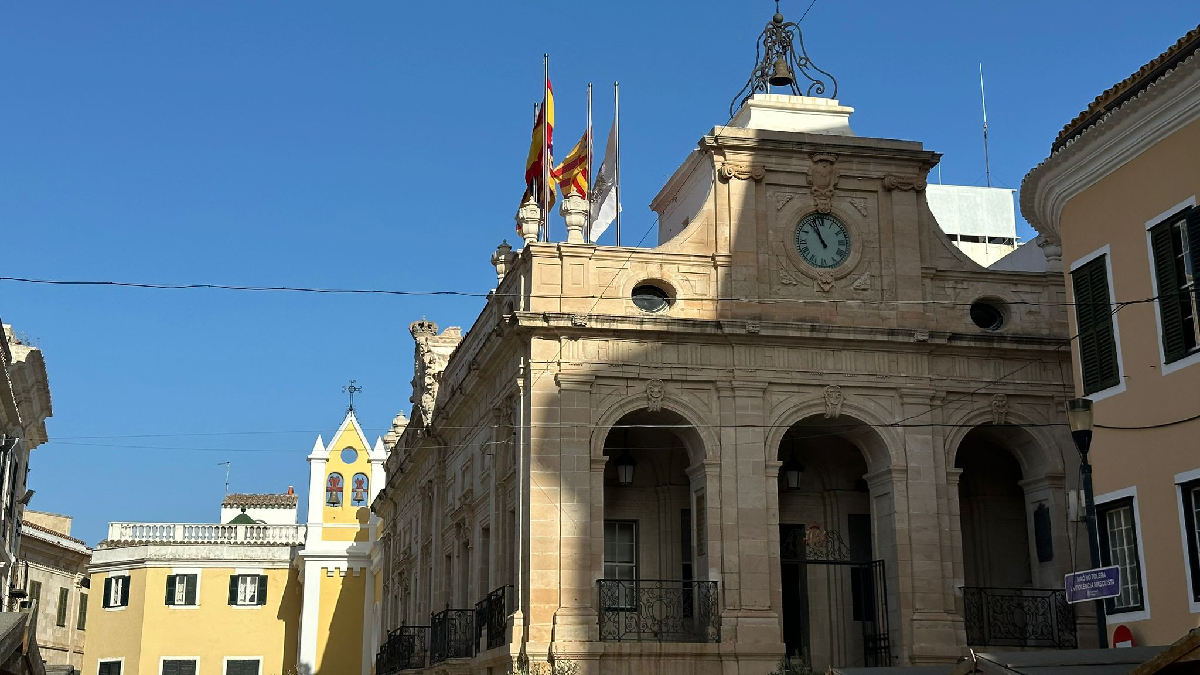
(882, 447)
(700, 441)
(1032, 446)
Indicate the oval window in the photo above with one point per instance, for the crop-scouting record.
(349, 455)
(651, 298)
(987, 315)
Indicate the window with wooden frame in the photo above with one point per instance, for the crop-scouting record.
(1119, 547)
(1175, 243)
(178, 667)
(35, 594)
(181, 590)
(109, 668)
(247, 590)
(64, 605)
(1094, 325)
(81, 622)
(116, 592)
(242, 667)
(1190, 494)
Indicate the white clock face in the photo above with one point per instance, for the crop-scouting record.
(822, 240)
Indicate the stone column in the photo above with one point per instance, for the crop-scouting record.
(575, 620)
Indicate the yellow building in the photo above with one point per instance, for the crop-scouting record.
(256, 594)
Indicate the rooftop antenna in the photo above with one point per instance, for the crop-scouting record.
(226, 465)
(987, 163)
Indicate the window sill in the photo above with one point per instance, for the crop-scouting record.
(116, 609)
(1109, 392)
(1189, 360)
(1128, 615)
(247, 606)
(196, 606)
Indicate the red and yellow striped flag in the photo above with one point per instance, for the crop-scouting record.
(572, 174)
(540, 157)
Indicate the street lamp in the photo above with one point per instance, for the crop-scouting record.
(625, 467)
(1079, 417)
(792, 472)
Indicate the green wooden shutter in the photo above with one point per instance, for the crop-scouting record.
(1097, 346)
(64, 599)
(171, 581)
(1193, 233)
(1174, 347)
(125, 592)
(189, 593)
(83, 600)
(104, 602)
(262, 589)
(110, 668)
(233, 583)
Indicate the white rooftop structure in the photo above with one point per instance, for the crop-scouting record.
(981, 221)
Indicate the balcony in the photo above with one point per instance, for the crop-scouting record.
(659, 610)
(492, 613)
(1018, 617)
(452, 635)
(127, 534)
(404, 649)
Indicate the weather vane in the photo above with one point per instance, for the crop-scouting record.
(351, 389)
(777, 63)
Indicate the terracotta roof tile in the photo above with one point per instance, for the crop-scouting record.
(1129, 87)
(25, 524)
(268, 501)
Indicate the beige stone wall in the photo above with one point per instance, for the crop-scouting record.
(1113, 212)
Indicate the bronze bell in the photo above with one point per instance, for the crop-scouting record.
(781, 75)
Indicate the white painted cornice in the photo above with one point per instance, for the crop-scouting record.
(1165, 106)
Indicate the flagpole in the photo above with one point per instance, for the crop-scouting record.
(587, 232)
(617, 166)
(545, 147)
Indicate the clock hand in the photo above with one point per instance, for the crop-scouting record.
(818, 231)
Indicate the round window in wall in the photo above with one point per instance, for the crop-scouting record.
(349, 455)
(987, 314)
(651, 298)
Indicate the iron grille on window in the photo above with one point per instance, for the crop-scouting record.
(404, 649)
(1018, 617)
(451, 635)
(662, 610)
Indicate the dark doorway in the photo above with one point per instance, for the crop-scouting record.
(795, 597)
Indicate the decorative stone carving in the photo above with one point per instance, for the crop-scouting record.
(753, 327)
(824, 281)
(823, 178)
(833, 401)
(863, 283)
(859, 205)
(1052, 249)
(529, 218)
(654, 395)
(999, 409)
(781, 199)
(785, 278)
(921, 335)
(893, 182)
(730, 171)
(579, 320)
(503, 259)
(432, 353)
(574, 210)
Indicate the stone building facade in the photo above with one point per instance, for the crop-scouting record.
(54, 571)
(803, 423)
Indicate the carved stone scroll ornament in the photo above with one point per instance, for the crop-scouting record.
(743, 171)
(893, 182)
(823, 178)
(654, 395)
(824, 281)
(999, 409)
(859, 205)
(833, 401)
(781, 199)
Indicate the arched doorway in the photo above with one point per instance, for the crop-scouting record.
(653, 584)
(991, 503)
(833, 584)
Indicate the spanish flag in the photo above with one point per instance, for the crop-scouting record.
(572, 174)
(540, 158)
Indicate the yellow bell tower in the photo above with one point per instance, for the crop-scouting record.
(334, 563)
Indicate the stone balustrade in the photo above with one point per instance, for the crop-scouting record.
(205, 533)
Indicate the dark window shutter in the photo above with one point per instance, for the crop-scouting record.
(1043, 533)
(104, 602)
(1191, 494)
(189, 593)
(233, 583)
(1174, 347)
(110, 668)
(170, 668)
(262, 589)
(171, 581)
(1193, 233)
(125, 592)
(1093, 312)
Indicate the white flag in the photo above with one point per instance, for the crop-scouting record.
(604, 197)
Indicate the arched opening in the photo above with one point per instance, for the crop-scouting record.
(832, 579)
(652, 587)
(991, 503)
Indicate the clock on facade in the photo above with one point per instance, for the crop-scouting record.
(822, 240)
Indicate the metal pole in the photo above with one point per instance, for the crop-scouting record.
(545, 146)
(587, 232)
(1085, 468)
(617, 148)
(987, 163)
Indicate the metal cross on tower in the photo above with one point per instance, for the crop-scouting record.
(351, 389)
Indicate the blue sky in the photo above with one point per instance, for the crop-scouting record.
(380, 145)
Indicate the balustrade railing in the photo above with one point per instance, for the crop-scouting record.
(1019, 617)
(661, 610)
(205, 533)
(451, 635)
(404, 649)
(492, 613)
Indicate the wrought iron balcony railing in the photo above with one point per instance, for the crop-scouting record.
(1019, 617)
(451, 635)
(492, 613)
(404, 649)
(661, 610)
